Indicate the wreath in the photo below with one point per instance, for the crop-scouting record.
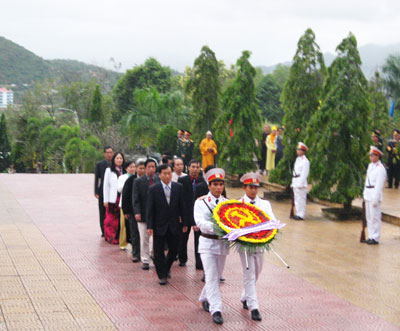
(245, 224)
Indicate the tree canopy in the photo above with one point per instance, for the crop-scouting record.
(300, 98)
(204, 88)
(5, 147)
(339, 133)
(151, 74)
(239, 124)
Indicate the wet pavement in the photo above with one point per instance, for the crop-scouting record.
(56, 272)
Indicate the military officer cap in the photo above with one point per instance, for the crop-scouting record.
(181, 131)
(188, 133)
(302, 146)
(376, 151)
(251, 178)
(376, 133)
(214, 175)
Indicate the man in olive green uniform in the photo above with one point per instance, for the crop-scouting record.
(187, 149)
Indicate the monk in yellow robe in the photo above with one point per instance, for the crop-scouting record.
(271, 149)
(208, 149)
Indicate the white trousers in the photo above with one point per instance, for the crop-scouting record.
(300, 200)
(255, 261)
(213, 265)
(146, 243)
(374, 220)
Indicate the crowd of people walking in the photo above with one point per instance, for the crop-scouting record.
(154, 207)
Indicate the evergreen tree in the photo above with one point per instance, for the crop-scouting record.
(391, 69)
(240, 122)
(339, 133)
(5, 147)
(96, 113)
(380, 111)
(204, 88)
(148, 75)
(300, 99)
(268, 99)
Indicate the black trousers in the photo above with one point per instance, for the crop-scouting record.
(393, 173)
(263, 160)
(134, 236)
(163, 263)
(102, 214)
(182, 255)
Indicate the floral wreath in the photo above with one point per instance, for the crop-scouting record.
(245, 224)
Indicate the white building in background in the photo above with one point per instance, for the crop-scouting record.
(6, 97)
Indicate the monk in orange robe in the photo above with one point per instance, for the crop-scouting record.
(208, 149)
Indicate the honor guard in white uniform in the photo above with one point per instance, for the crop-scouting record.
(374, 182)
(251, 182)
(212, 249)
(299, 181)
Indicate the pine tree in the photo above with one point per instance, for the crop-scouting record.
(380, 111)
(204, 88)
(240, 122)
(96, 113)
(339, 133)
(5, 147)
(300, 99)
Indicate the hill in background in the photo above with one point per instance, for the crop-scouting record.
(21, 69)
(372, 56)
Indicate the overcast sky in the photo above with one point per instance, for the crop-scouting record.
(174, 31)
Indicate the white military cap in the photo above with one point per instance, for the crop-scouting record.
(251, 178)
(215, 174)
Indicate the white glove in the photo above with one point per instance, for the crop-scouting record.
(375, 204)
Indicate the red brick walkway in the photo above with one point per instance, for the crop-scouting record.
(64, 209)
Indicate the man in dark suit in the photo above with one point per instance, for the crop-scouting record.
(164, 220)
(98, 183)
(140, 189)
(189, 189)
(127, 208)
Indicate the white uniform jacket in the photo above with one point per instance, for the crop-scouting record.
(374, 182)
(110, 187)
(264, 205)
(300, 172)
(202, 217)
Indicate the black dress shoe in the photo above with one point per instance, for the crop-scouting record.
(244, 303)
(135, 260)
(298, 218)
(206, 306)
(255, 315)
(145, 266)
(169, 275)
(163, 281)
(363, 241)
(372, 242)
(222, 279)
(292, 217)
(199, 267)
(182, 264)
(217, 318)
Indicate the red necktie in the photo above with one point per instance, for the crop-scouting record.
(151, 181)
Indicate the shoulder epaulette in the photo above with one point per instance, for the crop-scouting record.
(202, 198)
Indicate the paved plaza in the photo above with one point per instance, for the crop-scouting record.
(57, 273)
